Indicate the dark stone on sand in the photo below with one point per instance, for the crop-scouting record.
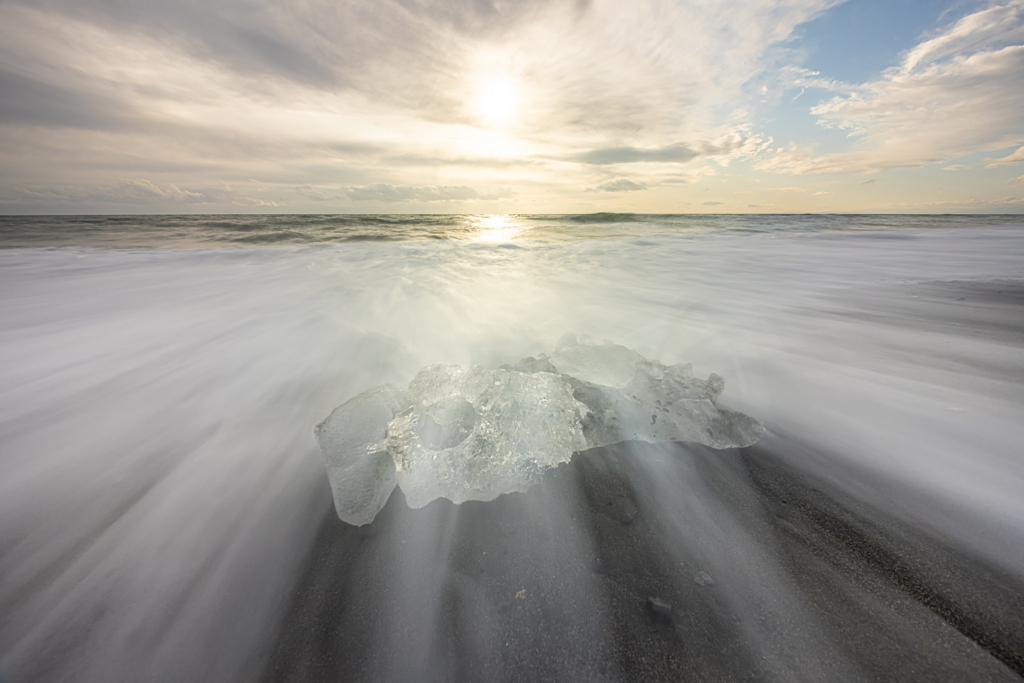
(659, 611)
(702, 578)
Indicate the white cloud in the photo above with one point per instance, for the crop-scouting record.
(350, 102)
(383, 192)
(135, 193)
(619, 185)
(1014, 158)
(688, 176)
(792, 76)
(974, 204)
(355, 93)
(958, 92)
(988, 28)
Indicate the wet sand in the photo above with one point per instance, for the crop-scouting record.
(763, 563)
(767, 573)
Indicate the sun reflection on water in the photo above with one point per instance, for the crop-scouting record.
(497, 228)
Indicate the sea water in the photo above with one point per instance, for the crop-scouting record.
(161, 378)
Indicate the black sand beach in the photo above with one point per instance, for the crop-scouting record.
(767, 573)
(753, 570)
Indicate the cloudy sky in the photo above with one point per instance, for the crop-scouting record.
(524, 106)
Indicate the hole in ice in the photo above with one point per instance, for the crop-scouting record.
(447, 423)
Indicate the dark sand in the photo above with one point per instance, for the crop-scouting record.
(505, 590)
(801, 581)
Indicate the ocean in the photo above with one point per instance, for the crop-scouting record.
(162, 493)
(210, 231)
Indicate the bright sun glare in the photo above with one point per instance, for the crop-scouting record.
(497, 228)
(496, 103)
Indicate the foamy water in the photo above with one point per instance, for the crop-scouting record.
(159, 480)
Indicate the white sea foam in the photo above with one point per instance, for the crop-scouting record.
(160, 483)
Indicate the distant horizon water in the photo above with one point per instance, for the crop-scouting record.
(133, 231)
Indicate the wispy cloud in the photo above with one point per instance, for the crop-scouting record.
(383, 192)
(1014, 158)
(136, 193)
(344, 104)
(998, 203)
(958, 92)
(675, 153)
(619, 185)
(358, 93)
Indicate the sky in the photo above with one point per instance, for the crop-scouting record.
(511, 106)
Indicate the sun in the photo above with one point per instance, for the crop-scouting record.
(496, 103)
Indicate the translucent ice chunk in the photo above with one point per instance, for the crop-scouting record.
(473, 434)
(361, 473)
(658, 403)
(610, 365)
(662, 404)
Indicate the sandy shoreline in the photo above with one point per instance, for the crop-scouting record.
(552, 584)
(771, 571)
